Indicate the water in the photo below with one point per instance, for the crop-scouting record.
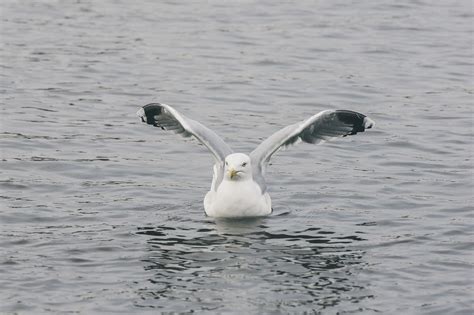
(102, 214)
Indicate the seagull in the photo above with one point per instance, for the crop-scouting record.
(238, 187)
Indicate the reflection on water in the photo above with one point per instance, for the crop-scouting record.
(245, 265)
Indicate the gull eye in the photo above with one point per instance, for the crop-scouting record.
(226, 163)
(244, 164)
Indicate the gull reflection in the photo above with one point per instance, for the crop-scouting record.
(247, 265)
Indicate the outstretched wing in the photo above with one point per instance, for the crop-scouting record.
(321, 127)
(167, 118)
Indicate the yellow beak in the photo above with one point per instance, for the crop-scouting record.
(232, 173)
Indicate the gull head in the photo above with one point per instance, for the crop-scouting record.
(237, 167)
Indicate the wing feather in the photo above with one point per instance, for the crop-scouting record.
(319, 128)
(167, 118)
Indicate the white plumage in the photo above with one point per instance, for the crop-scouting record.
(237, 195)
(238, 186)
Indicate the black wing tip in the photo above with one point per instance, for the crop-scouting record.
(148, 112)
(358, 121)
(153, 105)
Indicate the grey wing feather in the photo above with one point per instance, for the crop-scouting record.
(321, 127)
(167, 118)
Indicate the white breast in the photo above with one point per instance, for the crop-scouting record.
(237, 199)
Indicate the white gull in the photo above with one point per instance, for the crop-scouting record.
(238, 186)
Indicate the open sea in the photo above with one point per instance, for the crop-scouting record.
(101, 214)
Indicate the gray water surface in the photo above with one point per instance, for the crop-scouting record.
(102, 214)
